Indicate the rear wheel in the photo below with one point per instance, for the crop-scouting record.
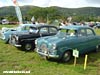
(66, 56)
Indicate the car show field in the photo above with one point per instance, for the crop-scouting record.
(13, 59)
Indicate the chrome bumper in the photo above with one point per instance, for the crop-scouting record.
(47, 54)
(14, 44)
(17, 45)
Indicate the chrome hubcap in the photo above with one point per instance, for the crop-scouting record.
(28, 47)
(67, 56)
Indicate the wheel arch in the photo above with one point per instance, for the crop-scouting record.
(65, 50)
(31, 42)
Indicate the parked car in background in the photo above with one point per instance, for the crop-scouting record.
(14, 23)
(61, 45)
(26, 41)
(5, 21)
(97, 25)
(6, 32)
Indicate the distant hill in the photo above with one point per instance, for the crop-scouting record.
(5, 11)
(80, 11)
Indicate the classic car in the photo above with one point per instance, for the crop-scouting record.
(26, 41)
(69, 38)
(6, 32)
(97, 25)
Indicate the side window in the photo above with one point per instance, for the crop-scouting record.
(89, 32)
(52, 30)
(82, 32)
(33, 30)
(22, 27)
(72, 32)
(26, 28)
(44, 30)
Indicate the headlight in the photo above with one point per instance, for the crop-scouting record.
(54, 46)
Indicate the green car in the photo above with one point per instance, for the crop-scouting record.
(61, 45)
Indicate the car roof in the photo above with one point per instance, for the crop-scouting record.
(37, 25)
(27, 24)
(74, 27)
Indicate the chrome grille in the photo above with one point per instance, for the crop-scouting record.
(44, 48)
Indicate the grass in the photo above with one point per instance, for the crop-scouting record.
(9, 26)
(12, 59)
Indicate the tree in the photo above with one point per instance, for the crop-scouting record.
(43, 13)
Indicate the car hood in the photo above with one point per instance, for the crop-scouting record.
(27, 35)
(4, 29)
(53, 39)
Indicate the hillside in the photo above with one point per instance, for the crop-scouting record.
(80, 11)
(28, 11)
(67, 11)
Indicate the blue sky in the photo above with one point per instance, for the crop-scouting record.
(47, 3)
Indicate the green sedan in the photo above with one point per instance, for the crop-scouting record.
(61, 45)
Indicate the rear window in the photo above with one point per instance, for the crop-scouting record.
(90, 32)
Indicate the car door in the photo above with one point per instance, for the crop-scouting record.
(79, 41)
(91, 39)
(82, 39)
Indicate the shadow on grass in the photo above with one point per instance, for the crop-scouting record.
(20, 49)
(93, 63)
(92, 57)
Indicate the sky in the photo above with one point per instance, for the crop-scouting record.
(48, 3)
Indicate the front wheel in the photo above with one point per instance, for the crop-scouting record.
(66, 56)
(28, 46)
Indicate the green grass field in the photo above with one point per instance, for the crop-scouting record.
(12, 59)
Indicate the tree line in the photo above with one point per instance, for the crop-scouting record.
(51, 13)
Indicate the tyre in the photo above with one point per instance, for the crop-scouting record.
(66, 56)
(28, 46)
